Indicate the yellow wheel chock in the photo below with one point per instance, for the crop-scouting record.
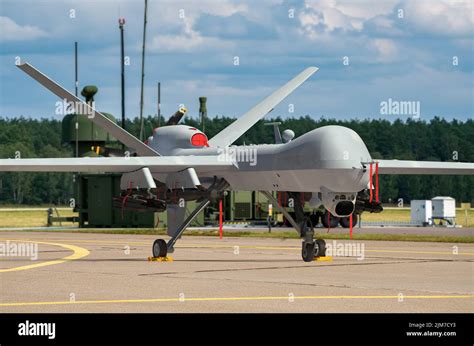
(323, 259)
(160, 259)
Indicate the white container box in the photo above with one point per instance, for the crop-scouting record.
(421, 212)
(444, 207)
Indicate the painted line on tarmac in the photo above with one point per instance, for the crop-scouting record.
(231, 299)
(425, 252)
(78, 252)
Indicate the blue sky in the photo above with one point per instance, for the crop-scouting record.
(399, 50)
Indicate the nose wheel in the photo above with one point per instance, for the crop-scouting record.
(321, 244)
(307, 251)
(310, 250)
(160, 248)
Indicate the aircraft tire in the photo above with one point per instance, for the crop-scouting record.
(159, 248)
(344, 221)
(333, 221)
(321, 247)
(307, 251)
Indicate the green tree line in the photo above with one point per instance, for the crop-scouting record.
(434, 140)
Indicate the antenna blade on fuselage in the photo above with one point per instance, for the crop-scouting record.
(96, 117)
(232, 132)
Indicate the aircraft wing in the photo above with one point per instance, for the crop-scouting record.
(160, 164)
(425, 167)
(232, 132)
(96, 117)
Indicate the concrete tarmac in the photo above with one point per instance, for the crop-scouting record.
(77, 272)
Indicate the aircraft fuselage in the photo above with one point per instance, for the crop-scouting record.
(328, 157)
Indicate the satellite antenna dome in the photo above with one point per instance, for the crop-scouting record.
(287, 135)
(88, 92)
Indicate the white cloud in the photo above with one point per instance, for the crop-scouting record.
(221, 8)
(186, 14)
(383, 23)
(445, 17)
(11, 31)
(190, 42)
(365, 9)
(387, 49)
(330, 15)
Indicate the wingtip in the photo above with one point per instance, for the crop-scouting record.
(311, 70)
(21, 64)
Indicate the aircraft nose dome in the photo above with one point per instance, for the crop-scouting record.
(340, 143)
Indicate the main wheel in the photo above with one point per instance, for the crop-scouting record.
(307, 251)
(159, 248)
(321, 248)
(332, 222)
(345, 221)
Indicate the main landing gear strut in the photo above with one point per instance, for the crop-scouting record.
(161, 248)
(310, 248)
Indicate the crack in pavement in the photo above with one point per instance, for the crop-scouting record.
(285, 267)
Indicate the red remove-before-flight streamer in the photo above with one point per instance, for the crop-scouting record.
(370, 183)
(377, 182)
(350, 226)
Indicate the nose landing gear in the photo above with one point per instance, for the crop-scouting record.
(310, 248)
(313, 249)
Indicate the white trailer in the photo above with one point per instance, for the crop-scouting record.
(421, 212)
(444, 208)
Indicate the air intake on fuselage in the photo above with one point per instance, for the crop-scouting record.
(344, 208)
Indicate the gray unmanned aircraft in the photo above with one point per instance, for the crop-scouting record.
(330, 165)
